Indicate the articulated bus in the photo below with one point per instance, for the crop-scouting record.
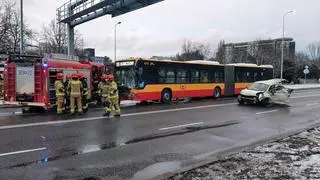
(165, 80)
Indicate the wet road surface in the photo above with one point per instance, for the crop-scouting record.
(145, 139)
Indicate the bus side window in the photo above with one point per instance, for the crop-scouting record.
(170, 78)
(216, 77)
(182, 76)
(221, 77)
(204, 76)
(255, 76)
(162, 76)
(194, 76)
(248, 79)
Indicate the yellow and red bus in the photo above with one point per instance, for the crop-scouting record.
(164, 80)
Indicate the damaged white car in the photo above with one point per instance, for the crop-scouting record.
(265, 93)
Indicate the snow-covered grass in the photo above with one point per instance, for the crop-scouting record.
(295, 157)
(128, 103)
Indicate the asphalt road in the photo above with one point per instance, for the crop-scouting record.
(145, 142)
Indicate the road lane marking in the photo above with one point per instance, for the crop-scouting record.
(102, 117)
(23, 151)
(179, 126)
(312, 104)
(265, 112)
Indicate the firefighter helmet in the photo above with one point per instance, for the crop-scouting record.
(59, 76)
(110, 77)
(68, 76)
(75, 76)
(103, 76)
(81, 76)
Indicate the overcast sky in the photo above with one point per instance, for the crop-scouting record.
(159, 29)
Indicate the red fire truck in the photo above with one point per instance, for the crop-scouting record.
(29, 80)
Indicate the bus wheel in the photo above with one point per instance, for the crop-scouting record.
(217, 92)
(166, 96)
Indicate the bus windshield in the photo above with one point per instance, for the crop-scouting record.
(126, 76)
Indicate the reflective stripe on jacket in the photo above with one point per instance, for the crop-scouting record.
(59, 87)
(75, 88)
(104, 88)
(114, 90)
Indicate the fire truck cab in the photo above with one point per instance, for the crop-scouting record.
(29, 80)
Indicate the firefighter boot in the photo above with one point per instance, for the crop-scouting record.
(115, 107)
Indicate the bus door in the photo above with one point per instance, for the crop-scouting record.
(182, 80)
(229, 75)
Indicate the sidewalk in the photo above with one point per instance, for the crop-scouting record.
(302, 86)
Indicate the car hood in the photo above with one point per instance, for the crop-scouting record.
(247, 92)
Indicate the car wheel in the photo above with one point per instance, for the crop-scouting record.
(217, 92)
(241, 102)
(266, 102)
(166, 96)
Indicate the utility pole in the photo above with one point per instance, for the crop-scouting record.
(21, 27)
(115, 41)
(282, 43)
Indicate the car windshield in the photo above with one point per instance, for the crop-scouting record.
(126, 77)
(258, 87)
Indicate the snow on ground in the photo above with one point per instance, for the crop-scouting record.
(295, 157)
(302, 86)
(128, 103)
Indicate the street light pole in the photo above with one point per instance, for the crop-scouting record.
(115, 40)
(21, 26)
(282, 42)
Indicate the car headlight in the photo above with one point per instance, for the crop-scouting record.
(260, 96)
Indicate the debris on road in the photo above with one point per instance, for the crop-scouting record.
(294, 157)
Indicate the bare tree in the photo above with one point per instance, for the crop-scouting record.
(53, 39)
(6, 10)
(10, 28)
(220, 52)
(313, 51)
(301, 56)
(194, 51)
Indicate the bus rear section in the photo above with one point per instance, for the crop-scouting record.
(238, 76)
(23, 81)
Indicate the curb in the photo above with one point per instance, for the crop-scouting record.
(9, 106)
(11, 113)
(217, 155)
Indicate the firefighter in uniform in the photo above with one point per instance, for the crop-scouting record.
(113, 96)
(1, 86)
(75, 87)
(67, 92)
(60, 92)
(104, 91)
(85, 92)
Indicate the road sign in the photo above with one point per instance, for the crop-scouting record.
(306, 71)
